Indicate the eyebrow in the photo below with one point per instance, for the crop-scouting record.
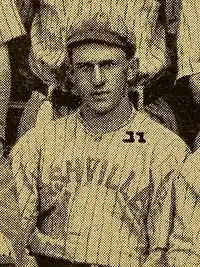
(92, 63)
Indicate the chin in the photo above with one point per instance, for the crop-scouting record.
(102, 109)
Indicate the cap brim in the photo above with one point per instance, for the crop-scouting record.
(107, 37)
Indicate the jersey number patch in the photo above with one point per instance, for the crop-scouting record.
(132, 139)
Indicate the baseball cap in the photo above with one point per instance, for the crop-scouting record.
(56, 23)
(101, 27)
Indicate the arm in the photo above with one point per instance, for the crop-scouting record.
(11, 237)
(185, 239)
(25, 158)
(188, 39)
(168, 157)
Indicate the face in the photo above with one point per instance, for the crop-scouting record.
(100, 75)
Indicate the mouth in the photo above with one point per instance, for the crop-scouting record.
(100, 93)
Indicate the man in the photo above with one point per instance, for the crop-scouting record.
(48, 53)
(95, 187)
(11, 27)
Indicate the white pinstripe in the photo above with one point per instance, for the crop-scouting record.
(88, 205)
(10, 22)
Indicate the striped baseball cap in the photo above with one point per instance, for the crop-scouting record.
(101, 27)
(61, 22)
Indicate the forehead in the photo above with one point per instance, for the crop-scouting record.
(97, 53)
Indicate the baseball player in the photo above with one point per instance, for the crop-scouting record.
(48, 51)
(188, 54)
(10, 27)
(95, 187)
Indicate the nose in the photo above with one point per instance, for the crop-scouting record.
(98, 76)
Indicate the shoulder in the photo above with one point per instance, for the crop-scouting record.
(161, 141)
(65, 123)
(155, 131)
(191, 167)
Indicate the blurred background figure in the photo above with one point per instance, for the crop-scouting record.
(11, 26)
(194, 82)
(11, 236)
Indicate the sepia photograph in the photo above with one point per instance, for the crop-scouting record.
(100, 133)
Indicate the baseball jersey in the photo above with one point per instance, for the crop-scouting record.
(97, 198)
(188, 38)
(185, 240)
(11, 238)
(11, 25)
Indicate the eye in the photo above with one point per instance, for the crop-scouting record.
(108, 64)
(85, 66)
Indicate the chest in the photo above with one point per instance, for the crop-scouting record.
(86, 162)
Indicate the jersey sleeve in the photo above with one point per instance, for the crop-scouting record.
(167, 159)
(25, 158)
(11, 236)
(188, 38)
(185, 240)
(11, 25)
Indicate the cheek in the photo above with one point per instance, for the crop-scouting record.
(82, 84)
(117, 79)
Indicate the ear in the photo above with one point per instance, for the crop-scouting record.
(133, 70)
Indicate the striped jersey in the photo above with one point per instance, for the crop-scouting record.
(11, 237)
(188, 38)
(11, 25)
(185, 240)
(100, 199)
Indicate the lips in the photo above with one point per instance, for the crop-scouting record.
(100, 93)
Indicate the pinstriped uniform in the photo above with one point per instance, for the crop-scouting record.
(92, 194)
(188, 40)
(186, 237)
(11, 25)
(11, 238)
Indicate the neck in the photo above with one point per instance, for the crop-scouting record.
(106, 122)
